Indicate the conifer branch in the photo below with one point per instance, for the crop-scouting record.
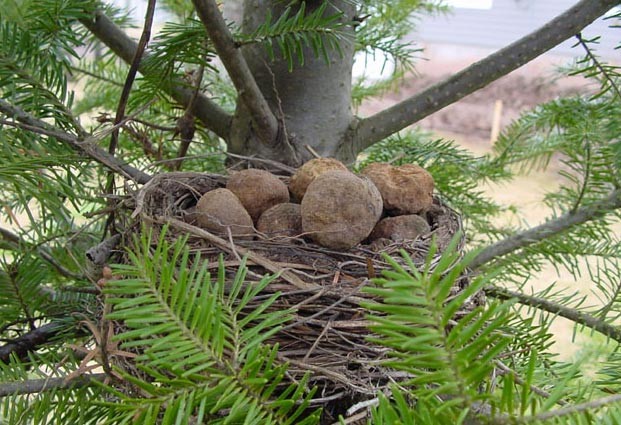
(131, 74)
(389, 121)
(206, 110)
(31, 341)
(558, 413)
(88, 147)
(548, 229)
(36, 386)
(569, 313)
(16, 241)
(234, 62)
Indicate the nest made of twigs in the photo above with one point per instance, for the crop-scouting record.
(328, 337)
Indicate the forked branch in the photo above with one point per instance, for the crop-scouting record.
(234, 62)
(389, 121)
(21, 119)
(208, 112)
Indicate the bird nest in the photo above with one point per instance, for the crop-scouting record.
(324, 288)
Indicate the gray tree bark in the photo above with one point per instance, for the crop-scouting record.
(311, 102)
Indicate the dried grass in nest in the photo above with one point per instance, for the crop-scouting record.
(323, 287)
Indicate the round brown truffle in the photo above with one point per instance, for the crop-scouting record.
(282, 220)
(309, 171)
(400, 228)
(406, 189)
(257, 190)
(219, 210)
(340, 209)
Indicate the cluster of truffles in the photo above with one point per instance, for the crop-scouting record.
(324, 202)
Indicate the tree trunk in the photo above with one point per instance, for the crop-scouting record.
(312, 102)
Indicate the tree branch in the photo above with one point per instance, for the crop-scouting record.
(376, 127)
(234, 62)
(131, 74)
(30, 341)
(16, 241)
(572, 314)
(36, 386)
(88, 147)
(548, 229)
(208, 112)
(557, 413)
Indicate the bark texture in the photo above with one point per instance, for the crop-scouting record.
(312, 102)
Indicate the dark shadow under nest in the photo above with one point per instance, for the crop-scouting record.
(328, 336)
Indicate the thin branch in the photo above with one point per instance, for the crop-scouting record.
(207, 111)
(185, 124)
(131, 74)
(234, 62)
(15, 240)
(572, 314)
(548, 229)
(92, 74)
(376, 127)
(36, 386)
(506, 370)
(557, 413)
(88, 146)
(31, 341)
(598, 65)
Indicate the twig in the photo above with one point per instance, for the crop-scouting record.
(381, 125)
(504, 369)
(362, 405)
(185, 124)
(131, 74)
(92, 74)
(598, 65)
(207, 111)
(36, 386)
(564, 411)
(574, 315)
(548, 229)
(241, 76)
(43, 253)
(225, 245)
(31, 341)
(87, 146)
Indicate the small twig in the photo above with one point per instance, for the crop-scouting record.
(325, 330)
(131, 74)
(548, 229)
(564, 411)
(312, 151)
(353, 419)
(224, 245)
(87, 146)
(36, 386)
(362, 405)
(598, 65)
(518, 380)
(43, 253)
(185, 124)
(574, 315)
(92, 74)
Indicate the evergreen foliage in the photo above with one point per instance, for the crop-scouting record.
(198, 345)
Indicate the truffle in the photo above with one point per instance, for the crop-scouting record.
(220, 209)
(340, 209)
(282, 220)
(406, 189)
(309, 171)
(257, 190)
(400, 228)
